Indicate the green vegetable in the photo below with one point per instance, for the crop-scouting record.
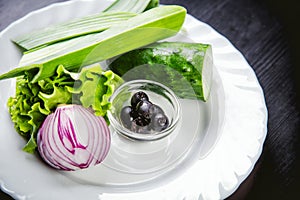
(135, 6)
(148, 27)
(118, 12)
(79, 27)
(184, 67)
(94, 88)
(34, 101)
(152, 4)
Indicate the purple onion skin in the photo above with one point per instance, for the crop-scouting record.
(73, 138)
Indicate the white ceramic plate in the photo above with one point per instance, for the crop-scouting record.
(217, 156)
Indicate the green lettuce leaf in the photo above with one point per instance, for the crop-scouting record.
(94, 87)
(91, 87)
(34, 101)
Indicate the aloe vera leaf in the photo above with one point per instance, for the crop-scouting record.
(74, 28)
(148, 27)
(135, 6)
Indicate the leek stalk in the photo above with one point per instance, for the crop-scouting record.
(74, 28)
(148, 27)
(118, 12)
(135, 6)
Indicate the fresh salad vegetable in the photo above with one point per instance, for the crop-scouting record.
(172, 64)
(94, 88)
(152, 4)
(62, 93)
(75, 28)
(135, 6)
(34, 101)
(73, 138)
(148, 27)
(118, 12)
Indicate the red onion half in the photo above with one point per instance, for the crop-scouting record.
(73, 138)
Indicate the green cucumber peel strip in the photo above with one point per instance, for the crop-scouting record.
(148, 27)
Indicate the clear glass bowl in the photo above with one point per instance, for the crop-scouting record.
(158, 94)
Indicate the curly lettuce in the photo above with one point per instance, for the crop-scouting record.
(33, 101)
(95, 87)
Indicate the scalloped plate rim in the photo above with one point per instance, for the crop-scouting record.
(222, 192)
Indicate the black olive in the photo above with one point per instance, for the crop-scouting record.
(143, 116)
(126, 116)
(137, 97)
(140, 125)
(140, 121)
(143, 109)
(155, 109)
(159, 122)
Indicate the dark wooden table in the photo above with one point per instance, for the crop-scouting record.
(265, 32)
